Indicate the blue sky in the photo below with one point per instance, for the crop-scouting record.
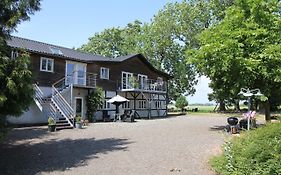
(70, 23)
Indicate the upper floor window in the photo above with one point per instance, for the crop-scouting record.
(47, 64)
(14, 54)
(104, 73)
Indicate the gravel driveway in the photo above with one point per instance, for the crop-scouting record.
(174, 145)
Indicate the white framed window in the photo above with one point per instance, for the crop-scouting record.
(104, 73)
(126, 80)
(142, 81)
(14, 54)
(47, 64)
(126, 105)
(158, 104)
(105, 105)
(142, 104)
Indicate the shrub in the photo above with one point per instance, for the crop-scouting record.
(255, 152)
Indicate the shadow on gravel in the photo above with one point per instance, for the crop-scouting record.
(217, 128)
(55, 155)
(26, 133)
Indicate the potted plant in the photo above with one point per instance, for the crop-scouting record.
(78, 123)
(51, 124)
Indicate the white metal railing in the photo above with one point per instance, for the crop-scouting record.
(38, 96)
(81, 79)
(144, 85)
(62, 105)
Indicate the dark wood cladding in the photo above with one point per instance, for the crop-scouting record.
(47, 78)
(133, 65)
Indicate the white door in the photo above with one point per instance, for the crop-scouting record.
(75, 73)
(126, 82)
(142, 81)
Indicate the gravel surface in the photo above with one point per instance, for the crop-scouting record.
(174, 145)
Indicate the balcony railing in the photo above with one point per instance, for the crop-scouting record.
(79, 78)
(144, 85)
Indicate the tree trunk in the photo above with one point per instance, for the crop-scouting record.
(222, 107)
(236, 106)
(267, 111)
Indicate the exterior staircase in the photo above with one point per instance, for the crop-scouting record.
(56, 106)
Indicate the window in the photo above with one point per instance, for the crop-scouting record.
(126, 80)
(143, 81)
(104, 73)
(14, 54)
(158, 104)
(46, 64)
(126, 105)
(56, 51)
(142, 104)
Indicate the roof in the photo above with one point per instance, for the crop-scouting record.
(70, 54)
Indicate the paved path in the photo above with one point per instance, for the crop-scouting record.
(175, 145)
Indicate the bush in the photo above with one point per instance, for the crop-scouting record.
(255, 152)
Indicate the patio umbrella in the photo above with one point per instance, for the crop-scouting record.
(117, 101)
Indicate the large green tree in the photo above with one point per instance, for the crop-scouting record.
(243, 50)
(16, 89)
(163, 41)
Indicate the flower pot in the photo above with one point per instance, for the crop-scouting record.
(78, 125)
(51, 128)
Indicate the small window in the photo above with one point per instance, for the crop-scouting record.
(104, 73)
(158, 104)
(56, 51)
(142, 104)
(126, 105)
(105, 105)
(46, 64)
(159, 79)
(14, 54)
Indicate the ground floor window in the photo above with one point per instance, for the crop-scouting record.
(105, 105)
(126, 105)
(142, 104)
(158, 104)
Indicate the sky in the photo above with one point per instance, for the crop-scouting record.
(70, 23)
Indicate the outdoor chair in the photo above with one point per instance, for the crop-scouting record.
(105, 116)
(130, 117)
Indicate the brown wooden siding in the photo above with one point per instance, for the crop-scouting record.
(47, 78)
(132, 65)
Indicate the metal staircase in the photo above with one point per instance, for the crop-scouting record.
(56, 106)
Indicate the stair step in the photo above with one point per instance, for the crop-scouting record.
(62, 124)
(63, 127)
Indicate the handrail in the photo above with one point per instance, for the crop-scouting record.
(146, 85)
(57, 93)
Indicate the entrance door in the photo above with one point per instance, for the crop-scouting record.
(79, 106)
(75, 73)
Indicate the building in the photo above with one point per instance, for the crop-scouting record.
(64, 77)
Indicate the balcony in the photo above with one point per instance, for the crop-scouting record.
(78, 79)
(146, 85)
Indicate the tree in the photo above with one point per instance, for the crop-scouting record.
(243, 50)
(12, 12)
(16, 90)
(181, 102)
(94, 101)
(163, 41)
